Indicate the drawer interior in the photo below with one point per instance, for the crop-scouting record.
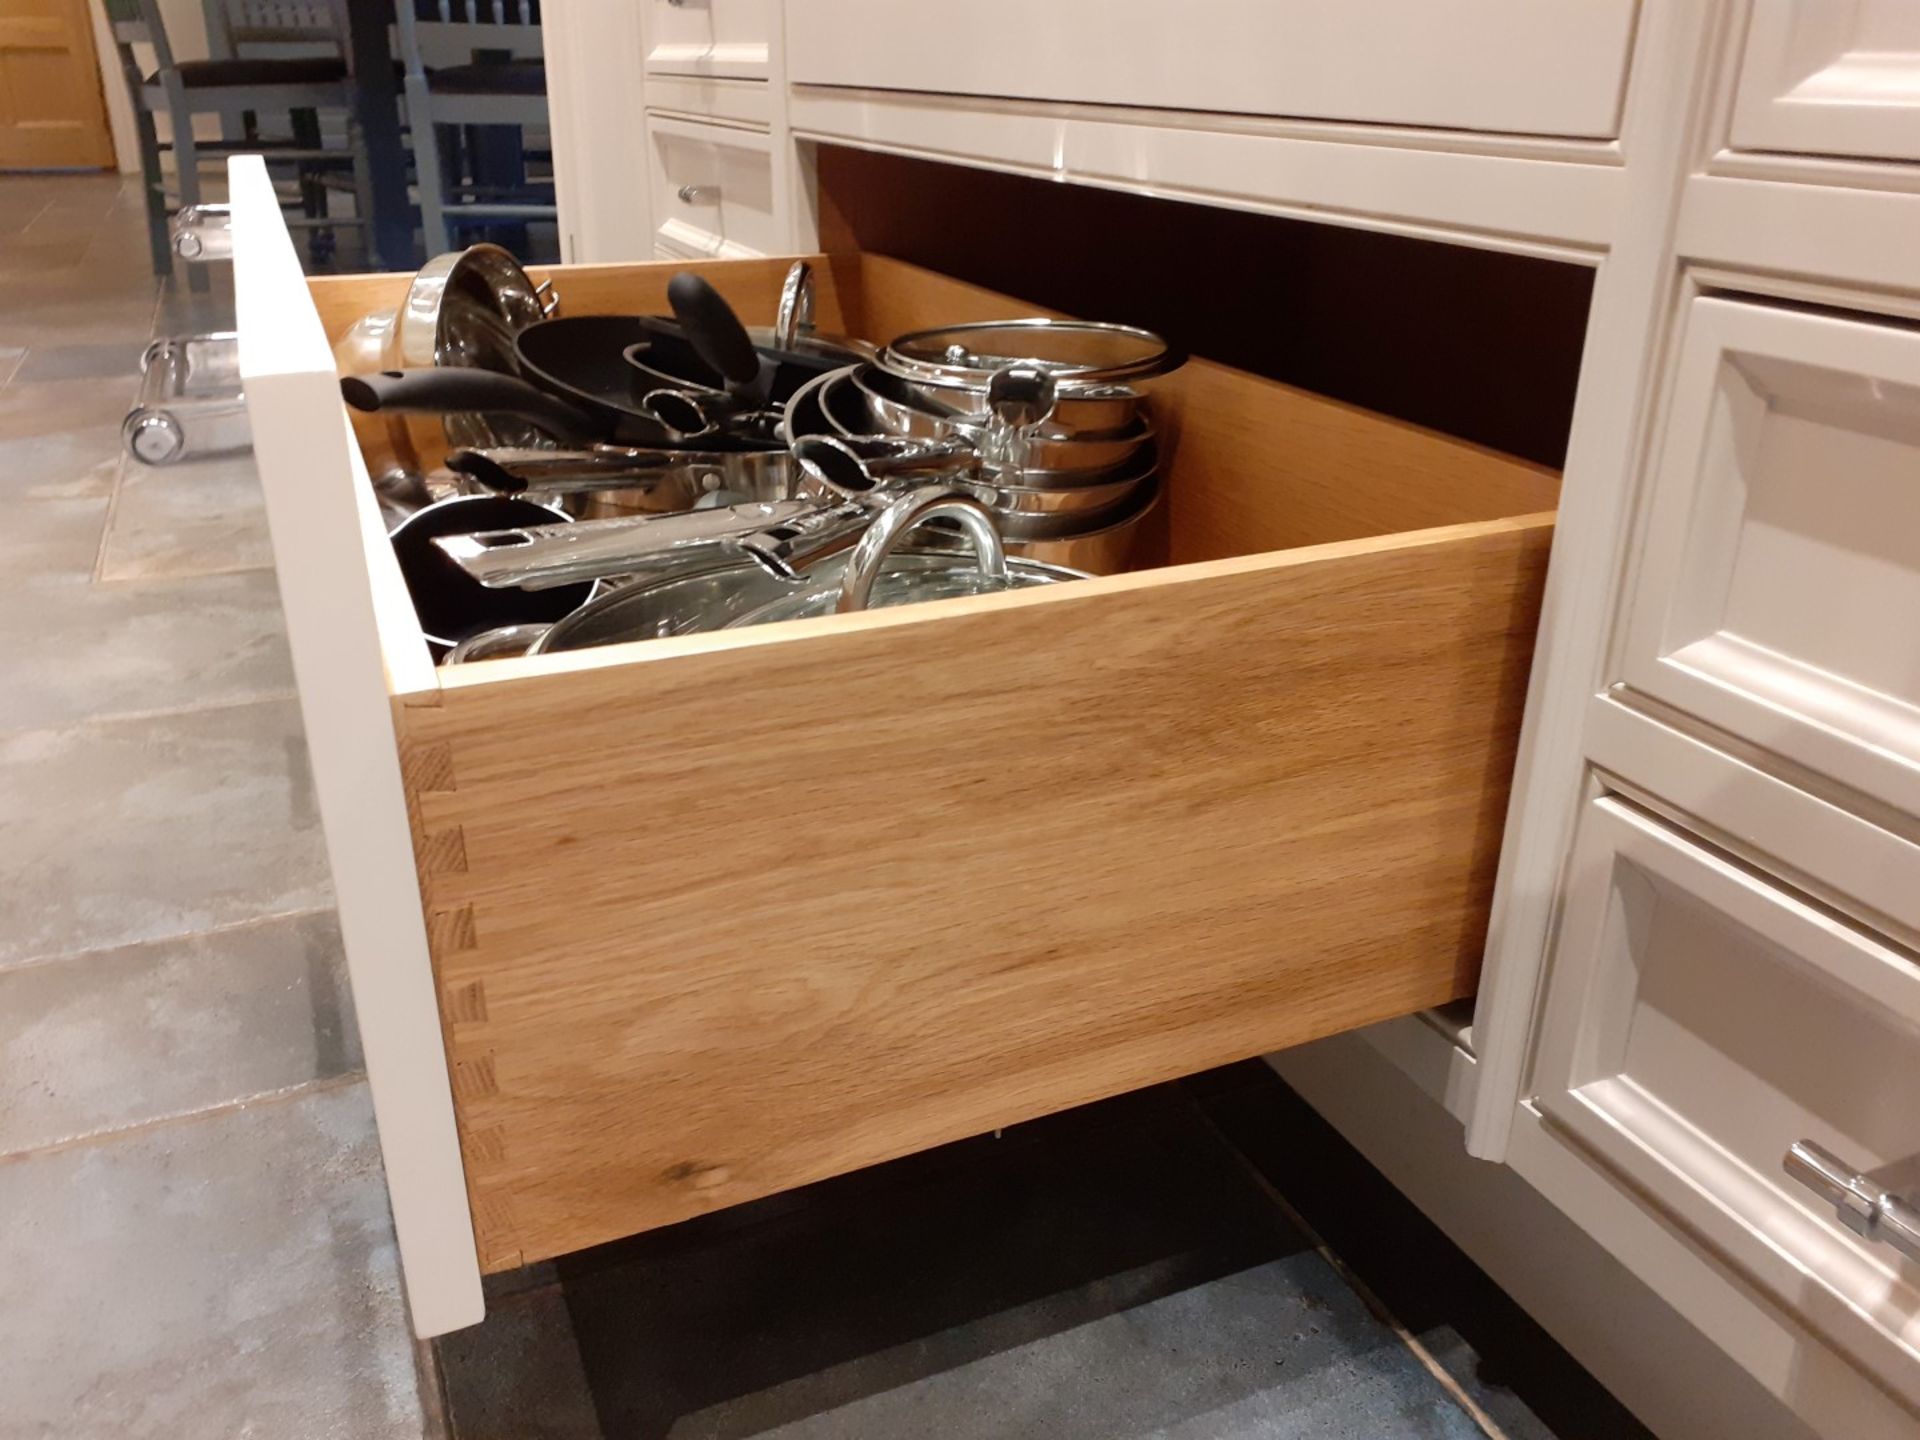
(716, 916)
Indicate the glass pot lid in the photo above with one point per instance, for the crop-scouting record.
(1082, 352)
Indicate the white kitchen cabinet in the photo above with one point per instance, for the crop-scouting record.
(1831, 77)
(1493, 65)
(709, 37)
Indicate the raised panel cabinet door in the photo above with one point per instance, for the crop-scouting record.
(1831, 77)
(1781, 566)
(52, 113)
(1703, 1018)
(709, 37)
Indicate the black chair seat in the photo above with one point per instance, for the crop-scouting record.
(214, 74)
(509, 77)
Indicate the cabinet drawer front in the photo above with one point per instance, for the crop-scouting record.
(1781, 567)
(713, 190)
(709, 37)
(1497, 65)
(738, 102)
(1818, 78)
(1701, 1018)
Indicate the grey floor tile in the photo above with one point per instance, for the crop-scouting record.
(199, 517)
(1107, 1273)
(518, 1375)
(101, 359)
(131, 830)
(232, 1275)
(52, 539)
(1273, 1353)
(82, 651)
(116, 1038)
(62, 464)
(55, 406)
(30, 316)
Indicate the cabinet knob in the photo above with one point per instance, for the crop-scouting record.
(1862, 1204)
(694, 194)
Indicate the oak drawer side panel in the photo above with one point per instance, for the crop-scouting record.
(733, 921)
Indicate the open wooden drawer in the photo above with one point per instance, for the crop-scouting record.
(717, 916)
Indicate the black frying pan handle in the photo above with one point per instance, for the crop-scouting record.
(714, 331)
(442, 390)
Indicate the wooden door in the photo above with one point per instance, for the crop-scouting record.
(52, 114)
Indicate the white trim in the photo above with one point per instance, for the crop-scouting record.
(304, 445)
(1668, 106)
(1427, 184)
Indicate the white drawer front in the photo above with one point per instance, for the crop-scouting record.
(709, 37)
(739, 102)
(1781, 574)
(1499, 65)
(713, 190)
(1819, 77)
(1700, 1019)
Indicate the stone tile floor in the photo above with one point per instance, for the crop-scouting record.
(194, 1237)
(196, 1241)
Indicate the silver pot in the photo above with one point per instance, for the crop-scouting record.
(926, 407)
(1106, 550)
(855, 405)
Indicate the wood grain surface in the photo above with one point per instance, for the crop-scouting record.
(743, 915)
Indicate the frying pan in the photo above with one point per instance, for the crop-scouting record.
(452, 607)
(575, 383)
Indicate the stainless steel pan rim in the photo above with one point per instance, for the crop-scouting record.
(1079, 410)
(965, 354)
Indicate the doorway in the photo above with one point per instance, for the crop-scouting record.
(53, 114)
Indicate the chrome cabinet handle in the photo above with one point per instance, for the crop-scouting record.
(190, 402)
(203, 232)
(693, 194)
(1863, 1205)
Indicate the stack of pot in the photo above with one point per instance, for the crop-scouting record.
(1046, 415)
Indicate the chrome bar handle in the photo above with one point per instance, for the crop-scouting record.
(694, 194)
(203, 232)
(190, 400)
(1862, 1205)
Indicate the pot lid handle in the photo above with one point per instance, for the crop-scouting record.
(929, 502)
